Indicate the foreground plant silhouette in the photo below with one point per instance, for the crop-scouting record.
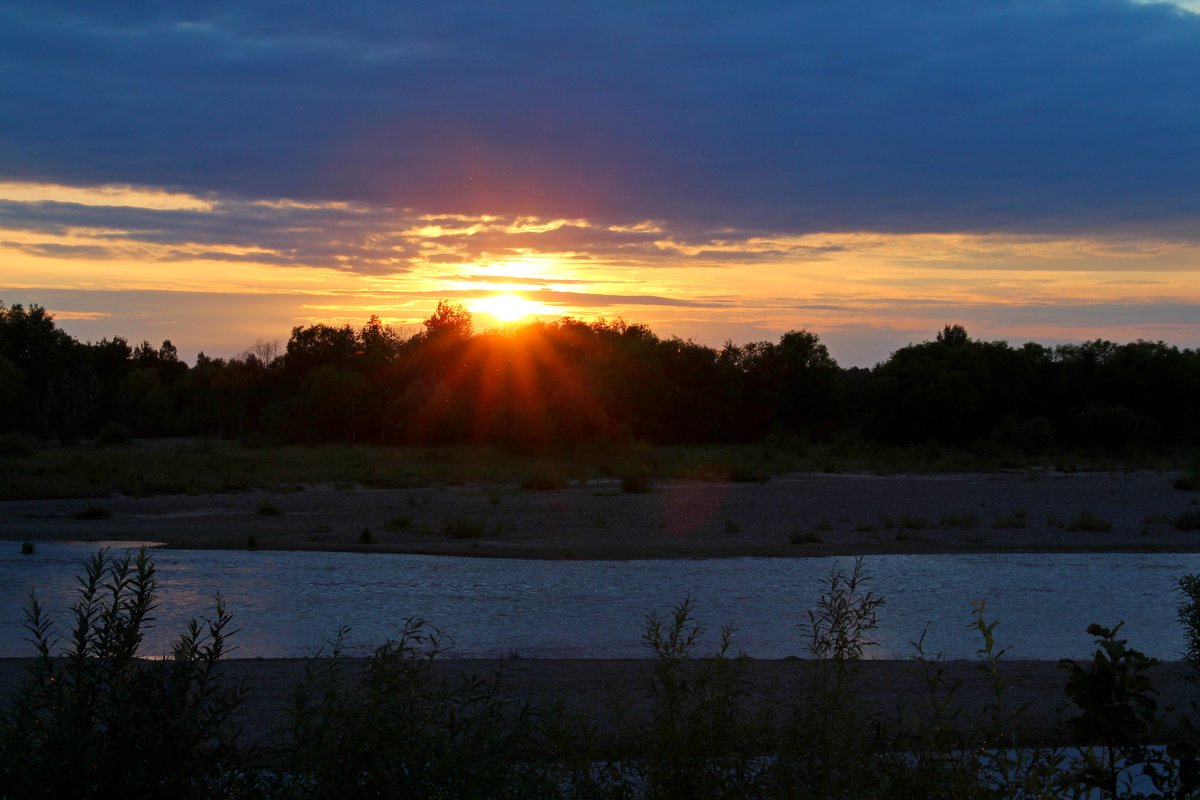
(400, 729)
(95, 721)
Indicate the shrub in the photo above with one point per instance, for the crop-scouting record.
(463, 528)
(93, 512)
(543, 482)
(13, 446)
(1188, 520)
(960, 521)
(1118, 711)
(1088, 521)
(828, 744)
(1017, 519)
(805, 537)
(743, 473)
(701, 740)
(269, 509)
(1187, 482)
(95, 721)
(402, 730)
(636, 484)
(113, 433)
(398, 523)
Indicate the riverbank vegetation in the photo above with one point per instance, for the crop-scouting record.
(95, 721)
(146, 467)
(549, 386)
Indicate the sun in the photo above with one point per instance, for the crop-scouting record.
(506, 307)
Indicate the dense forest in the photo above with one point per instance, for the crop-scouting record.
(544, 384)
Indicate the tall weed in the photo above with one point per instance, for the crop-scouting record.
(701, 739)
(401, 729)
(94, 720)
(829, 744)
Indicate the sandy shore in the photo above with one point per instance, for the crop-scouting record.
(798, 515)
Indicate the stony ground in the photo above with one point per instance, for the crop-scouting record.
(794, 515)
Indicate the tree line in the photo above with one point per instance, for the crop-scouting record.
(544, 384)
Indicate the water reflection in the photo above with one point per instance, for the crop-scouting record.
(285, 604)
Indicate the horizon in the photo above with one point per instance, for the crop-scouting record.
(716, 173)
(189, 355)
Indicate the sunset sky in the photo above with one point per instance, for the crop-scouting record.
(867, 170)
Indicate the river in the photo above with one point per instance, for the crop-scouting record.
(288, 603)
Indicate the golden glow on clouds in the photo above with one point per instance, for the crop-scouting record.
(509, 268)
(109, 195)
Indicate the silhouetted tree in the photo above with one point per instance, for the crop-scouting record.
(450, 320)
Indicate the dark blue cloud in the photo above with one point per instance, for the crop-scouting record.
(1004, 115)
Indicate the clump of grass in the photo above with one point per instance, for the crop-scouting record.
(636, 483)
(463, 528)
(543, 481)
(398, 523)
(26, 548)
(1188, 521)
(960, 521)
(1157, 518)
(909, 521)
(1188, 482)
(1090, 522)
(742, 473)
(152, 486)
(93, 512)
(731, 526)
(908, 535)
(269, 509)
(365, 536)
(824, 525)
(865, 527)
(805, 537)
(13, 446)
(494, 495)
(600, 521)
(113, 433)
(322, 528)
(251, 542)
(1017, 519)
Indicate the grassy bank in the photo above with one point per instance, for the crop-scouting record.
(32, 470)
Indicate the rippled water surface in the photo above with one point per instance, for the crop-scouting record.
(287, 603)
